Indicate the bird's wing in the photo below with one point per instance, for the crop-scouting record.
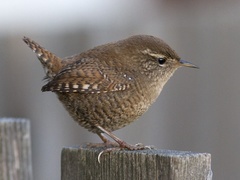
(87, 76)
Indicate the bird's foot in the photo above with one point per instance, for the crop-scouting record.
(125, 146)
(118, 144)
(108, 144)
(138, 146)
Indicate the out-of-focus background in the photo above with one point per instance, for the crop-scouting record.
(198, 110)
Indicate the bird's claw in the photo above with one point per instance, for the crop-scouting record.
(107, 150)
(138, 146)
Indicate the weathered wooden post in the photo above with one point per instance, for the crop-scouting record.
(15, 149)
(81, 163)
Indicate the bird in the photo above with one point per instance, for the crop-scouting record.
(110, 86)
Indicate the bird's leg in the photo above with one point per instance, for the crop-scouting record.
(106, 141)
(121, 143)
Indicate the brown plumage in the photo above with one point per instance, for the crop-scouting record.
(110, 86)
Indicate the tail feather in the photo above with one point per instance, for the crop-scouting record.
(51, 63)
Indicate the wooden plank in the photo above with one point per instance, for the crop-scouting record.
(15, 149)
(81, 163)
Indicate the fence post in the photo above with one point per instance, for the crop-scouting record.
(81, 163)
(15, 149)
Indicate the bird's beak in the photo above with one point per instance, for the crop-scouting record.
(187, 64)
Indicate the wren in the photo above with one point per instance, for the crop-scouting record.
(112, 85)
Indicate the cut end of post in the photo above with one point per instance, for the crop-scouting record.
(83, 163)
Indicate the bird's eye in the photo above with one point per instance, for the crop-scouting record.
(161, 61)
